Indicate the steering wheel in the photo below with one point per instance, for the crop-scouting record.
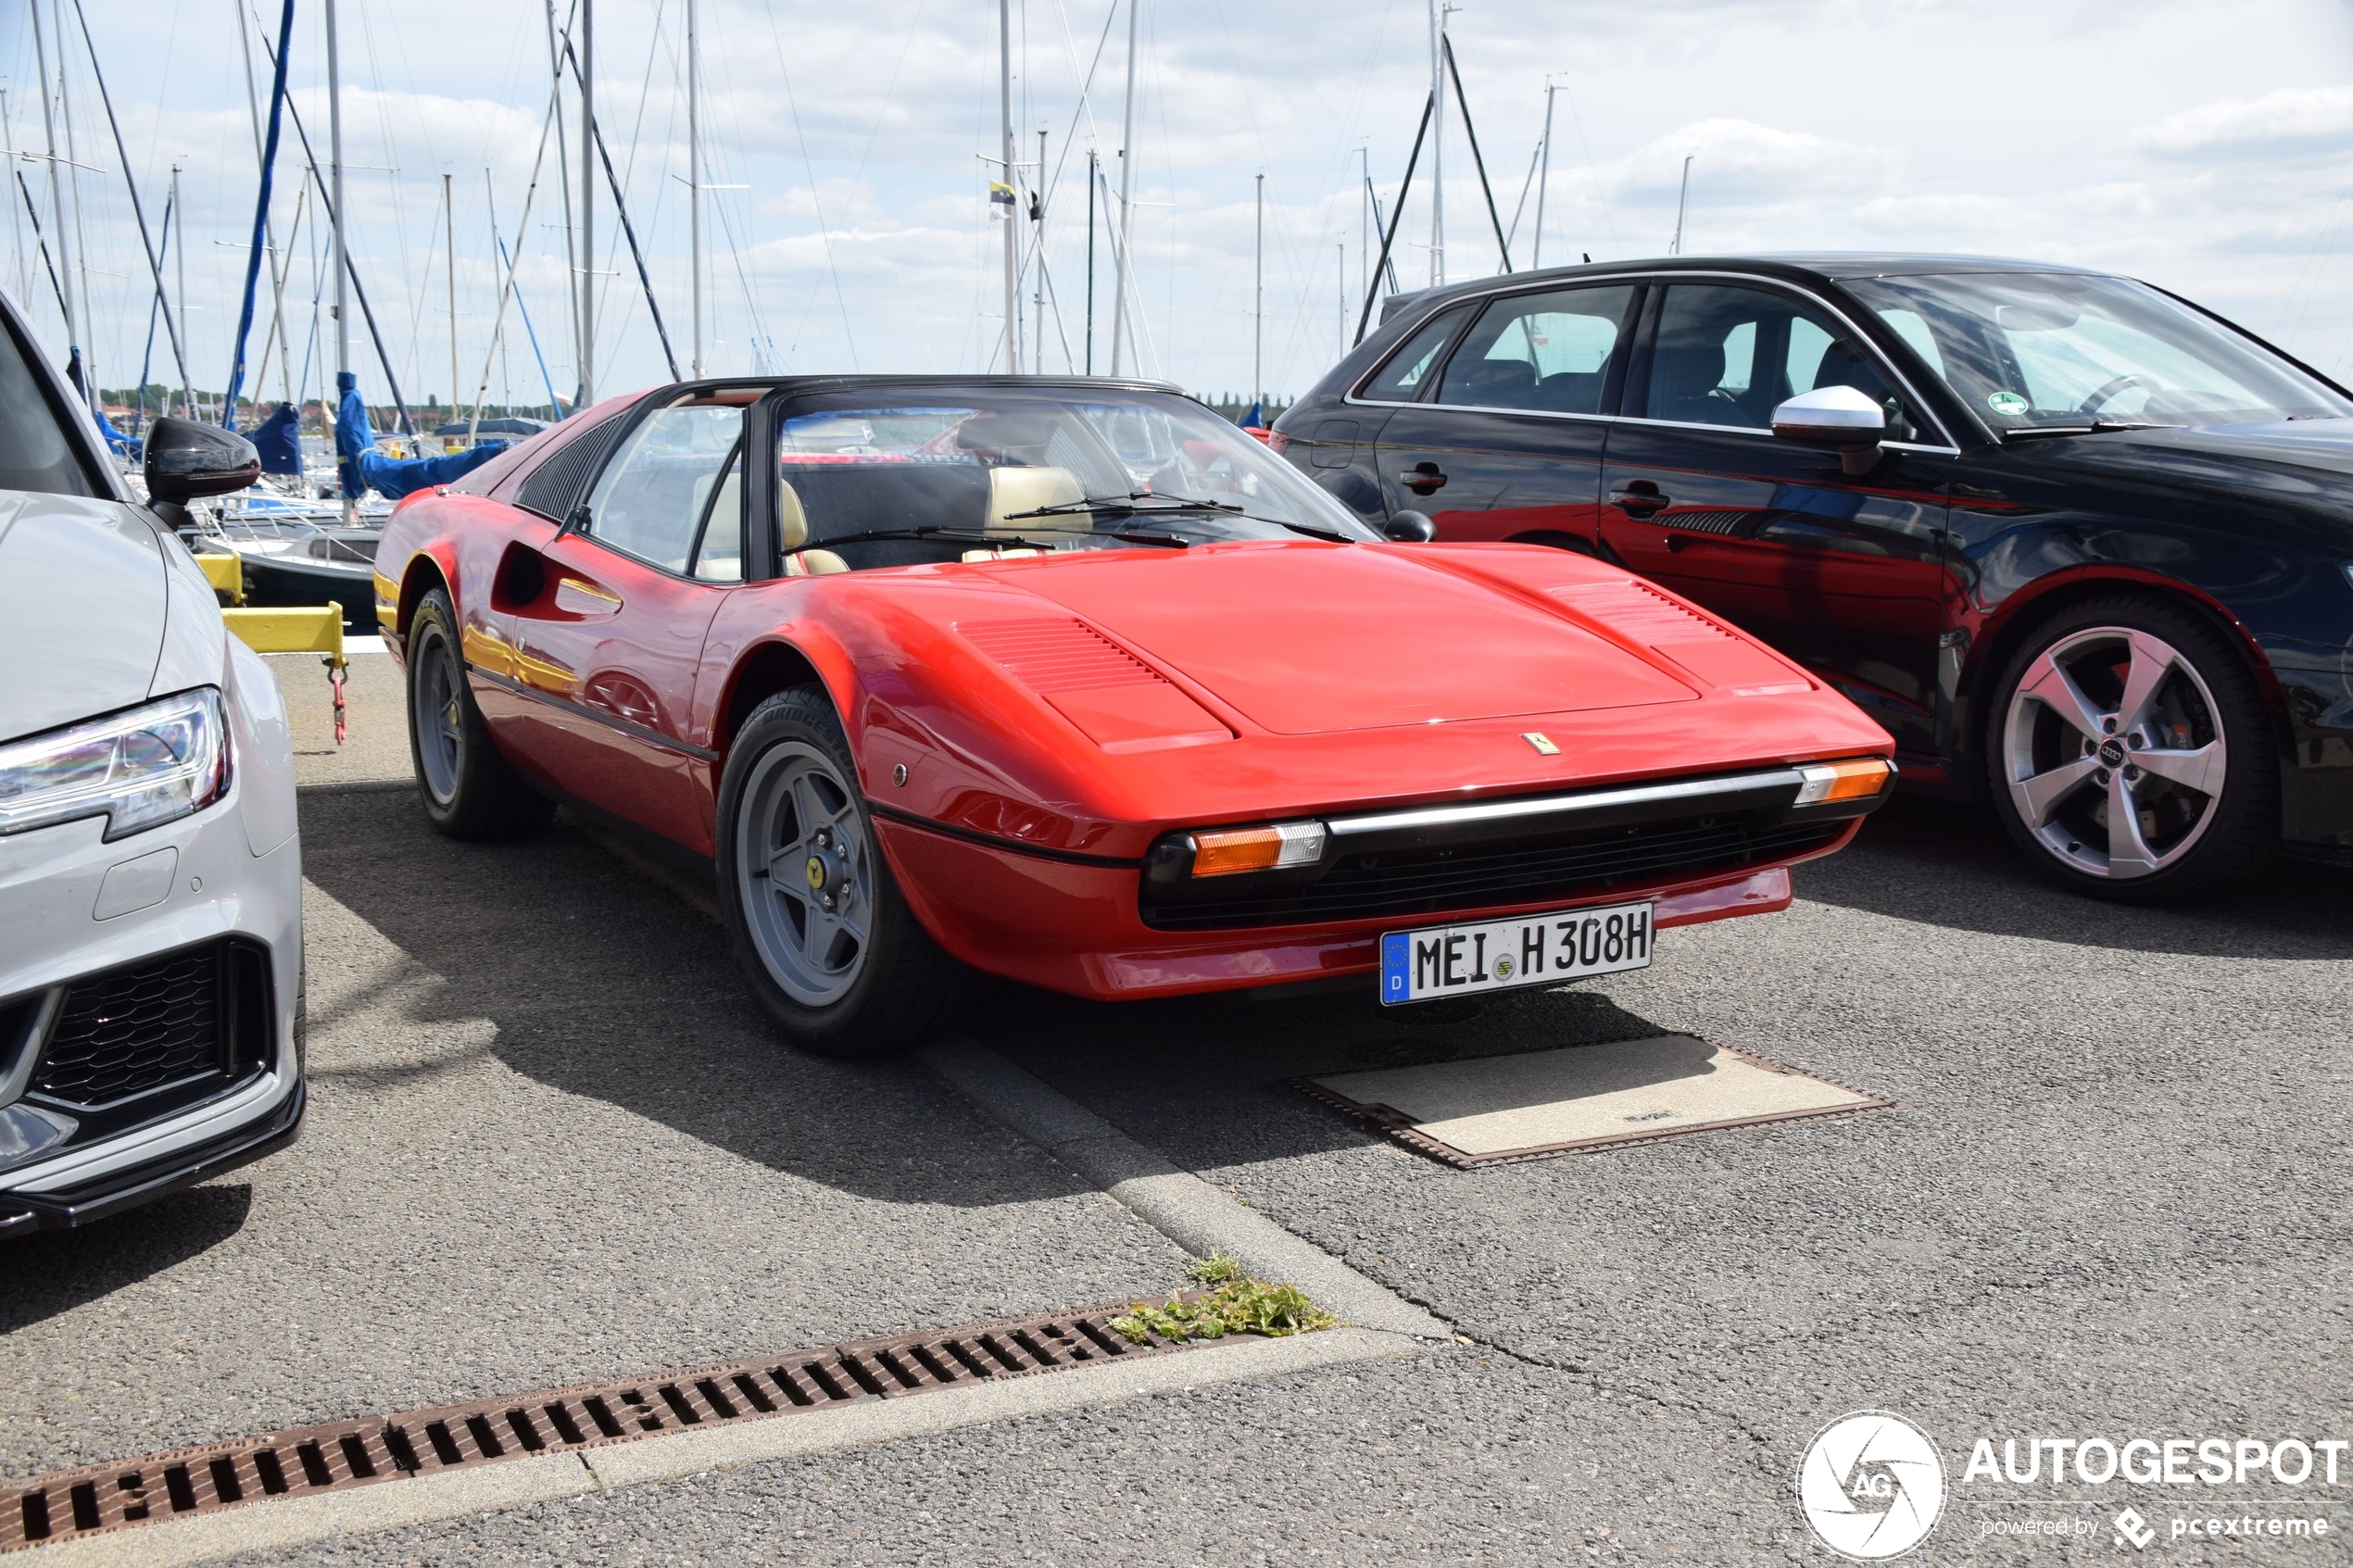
(2104, 395)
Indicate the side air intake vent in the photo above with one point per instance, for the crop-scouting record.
(558, 484)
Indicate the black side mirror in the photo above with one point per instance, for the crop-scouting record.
(1410, 528)
(187, 460)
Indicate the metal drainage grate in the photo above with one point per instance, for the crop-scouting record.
(67, 1504)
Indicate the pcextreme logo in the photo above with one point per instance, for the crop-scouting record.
(1871, 1486)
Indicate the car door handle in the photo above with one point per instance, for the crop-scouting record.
(1423, 479)
(1640, 499)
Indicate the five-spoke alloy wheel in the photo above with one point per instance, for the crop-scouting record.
(467, 788)
(819, 927)
(2129, 752)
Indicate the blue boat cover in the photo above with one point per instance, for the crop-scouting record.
(363, 469)
(129, 446)
(279, 440)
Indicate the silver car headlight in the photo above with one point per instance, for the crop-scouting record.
(145, 766)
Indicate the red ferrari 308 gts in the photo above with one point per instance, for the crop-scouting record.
(1074, 682)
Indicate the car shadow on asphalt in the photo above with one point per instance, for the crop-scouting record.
(1951, 865)
(54, 1272)
(601, 982)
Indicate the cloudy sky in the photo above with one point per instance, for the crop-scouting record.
(2206, 147)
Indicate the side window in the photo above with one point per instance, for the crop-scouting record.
(719, 551)
(653, 498)
(1727, 355)
(35, 452)
(1408, 371)
(1541, 351)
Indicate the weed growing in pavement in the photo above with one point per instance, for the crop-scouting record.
(1234, 1303)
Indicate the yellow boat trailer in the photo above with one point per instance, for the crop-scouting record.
(304, 629)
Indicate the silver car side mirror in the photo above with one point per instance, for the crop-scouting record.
(1850, 422)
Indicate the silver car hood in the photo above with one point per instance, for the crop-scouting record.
(83, 602)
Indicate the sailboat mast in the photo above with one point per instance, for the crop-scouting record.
(180, 259)
(1544, 174)
(1127, 207)
(1090, 261)
(1258, 303)
(694, 177)
(339, 215)
(73, 186)
(57, 184)
(1013, 213)
(1437, 143)
(1675, 247)
(563, 176)
(588, 203)
(449, 240)
(1038, 265)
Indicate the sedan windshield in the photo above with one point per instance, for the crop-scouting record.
(2057, 351)
(948, 472)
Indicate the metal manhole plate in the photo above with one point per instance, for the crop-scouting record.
(1490, 1109)
(367, 1450)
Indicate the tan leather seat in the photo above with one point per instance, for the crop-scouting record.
(792, 535)
(1013, 491)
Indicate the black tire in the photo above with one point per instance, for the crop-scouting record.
(467, 788)
(2198, 841)
(901, 987)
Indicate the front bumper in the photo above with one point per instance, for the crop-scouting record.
(185, 1164)
(1076, 928)
(74, 908)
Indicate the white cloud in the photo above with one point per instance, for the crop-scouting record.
(2285, 121)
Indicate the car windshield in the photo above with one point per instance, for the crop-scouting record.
(2033, 351)
(944, 473)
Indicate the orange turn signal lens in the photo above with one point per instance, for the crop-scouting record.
(1856, 778)
(1257, 849)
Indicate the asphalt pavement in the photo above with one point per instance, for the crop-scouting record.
(552, 1140)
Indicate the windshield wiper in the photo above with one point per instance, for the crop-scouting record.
(1169, 541)
(1130, 503)
(2097, 427)
(1310, 531)
(944, 535)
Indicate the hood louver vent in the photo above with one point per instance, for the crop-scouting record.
(1054, 656)
(1639, 610)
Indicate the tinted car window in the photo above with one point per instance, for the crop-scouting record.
(2057, 350)
(35, 452)
(654, 493)
(1408, 371)
(1727, 355)
(1541, 351)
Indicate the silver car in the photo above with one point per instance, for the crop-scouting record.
(150, 880)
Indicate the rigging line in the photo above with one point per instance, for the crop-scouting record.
(155, 266)
(604, 155)
(260, 224)
(906, 43)
(55, 286)
(1085, 94)
(147, 355)
(1455, 74)
(507, 291)
(628, 177)
(816, 203)
(279, 265)
(532, 332)
(1593, 176)
(1525, 186)
(1390, 238)
(399, 207)
(735, 252)
(359, 291)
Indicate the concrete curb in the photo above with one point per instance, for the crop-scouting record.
(551, 1477)
(1177, 1203)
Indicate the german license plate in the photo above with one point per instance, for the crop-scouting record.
(1453, 960)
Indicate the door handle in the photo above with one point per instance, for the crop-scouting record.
(1640, 499)
(1423, 479)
